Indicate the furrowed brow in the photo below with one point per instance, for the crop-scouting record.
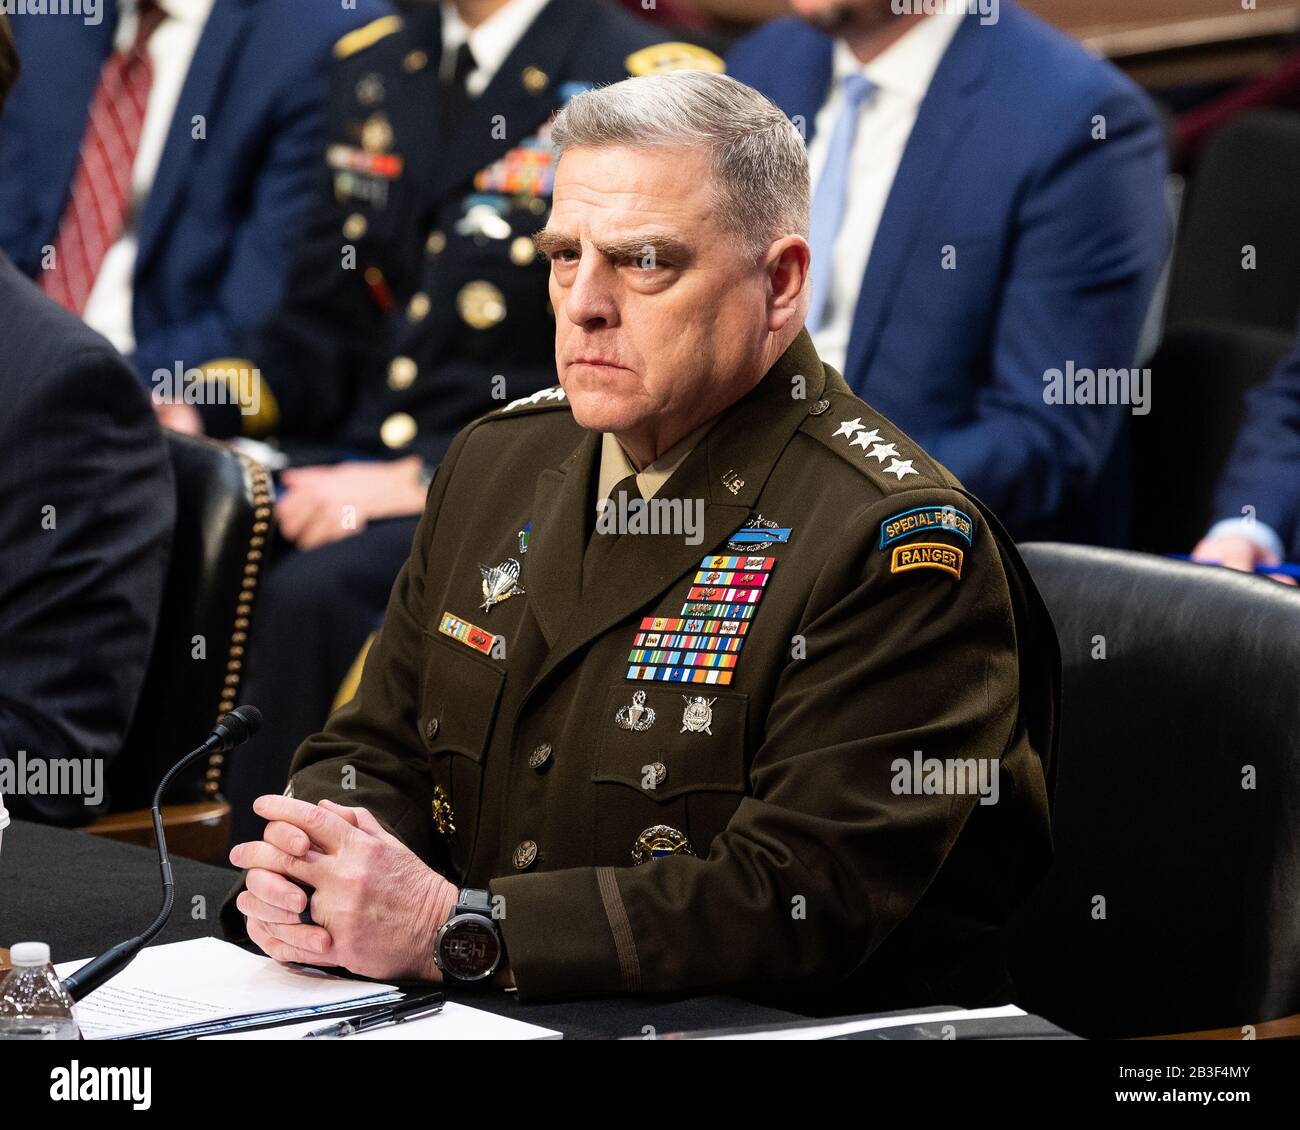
(548, 242)
(667, 248)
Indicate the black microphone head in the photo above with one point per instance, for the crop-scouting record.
(238, 726)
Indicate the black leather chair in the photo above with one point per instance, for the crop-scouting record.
(1199, 378)
(1200, 876)
(1243, 193)
(222, 532)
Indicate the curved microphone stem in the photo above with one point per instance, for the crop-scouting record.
(108, 964)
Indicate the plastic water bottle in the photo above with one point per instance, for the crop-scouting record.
(33, 1003)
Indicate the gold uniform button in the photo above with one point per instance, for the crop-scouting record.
(398, 430)
(354, 227)
(431, 729)
(377, 134)
(481, 305)
(523, 251)
(540, 757)
(415, 61)
(418, 307)
(436, 244)
(535, 80)
(525, 855)
(401, 373)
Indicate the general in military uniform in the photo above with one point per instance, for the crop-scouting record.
(417, 303)
(701, 675)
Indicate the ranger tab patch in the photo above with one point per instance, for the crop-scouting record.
(927, 555)
(923, 520)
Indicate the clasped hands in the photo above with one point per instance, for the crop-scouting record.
(377, 906)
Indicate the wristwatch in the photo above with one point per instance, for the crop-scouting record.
(469, 946)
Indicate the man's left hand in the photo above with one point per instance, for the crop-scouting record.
(325, 504)
(377, 906)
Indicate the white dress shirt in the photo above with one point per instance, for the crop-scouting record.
(490, 43)
(171, 50)
(902, 75)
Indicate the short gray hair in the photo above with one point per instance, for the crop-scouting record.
(760, 163)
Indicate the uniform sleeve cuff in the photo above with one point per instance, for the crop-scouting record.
(560, 940)
(1260, 533)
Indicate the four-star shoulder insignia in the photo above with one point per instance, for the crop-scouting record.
(883, 454)
(367, 36)
(663, 57)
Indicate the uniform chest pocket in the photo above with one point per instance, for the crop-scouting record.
(672, 776)
(459, 695)
(665, 743)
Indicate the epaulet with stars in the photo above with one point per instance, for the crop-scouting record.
(875, 447)
(553, 397)
(367, 36)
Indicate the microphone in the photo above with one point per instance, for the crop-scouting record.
(231, 730)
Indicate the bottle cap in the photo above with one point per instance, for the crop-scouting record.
(29, 953)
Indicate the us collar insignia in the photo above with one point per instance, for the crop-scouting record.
(757, 534)
(500, 583)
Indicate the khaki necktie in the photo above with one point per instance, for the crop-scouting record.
(624, 493)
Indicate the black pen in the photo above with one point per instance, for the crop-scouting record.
(398, 1013)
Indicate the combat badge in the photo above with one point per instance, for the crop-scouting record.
(658, 841)
(638, 717)
(500, 583)
(698, 715)
(758, 534)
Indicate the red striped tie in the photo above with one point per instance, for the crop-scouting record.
(101, 187)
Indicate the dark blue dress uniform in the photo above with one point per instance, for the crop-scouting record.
(416, 304)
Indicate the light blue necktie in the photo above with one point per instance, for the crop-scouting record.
(831, 195)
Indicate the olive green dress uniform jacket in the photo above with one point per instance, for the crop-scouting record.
(819, 877)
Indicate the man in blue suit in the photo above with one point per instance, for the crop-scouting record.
(157, 163)
(85, 534)
(1258, 500)
(988, 227)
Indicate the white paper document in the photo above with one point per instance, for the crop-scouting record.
(172, 990)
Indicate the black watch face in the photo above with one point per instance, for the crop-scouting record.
(469, 949)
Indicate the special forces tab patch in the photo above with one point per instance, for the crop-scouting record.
(924, 520)
(927, 555)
